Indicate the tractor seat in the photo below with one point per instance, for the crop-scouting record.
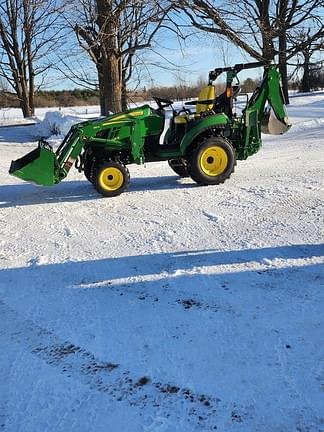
(206, 93)
(184, 118)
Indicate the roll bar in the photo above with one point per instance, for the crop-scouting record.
(236, 68)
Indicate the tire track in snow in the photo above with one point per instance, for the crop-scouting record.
(171, 298)
(165, 399)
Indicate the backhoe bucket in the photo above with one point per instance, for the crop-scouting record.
(271, 125)
(38, 166)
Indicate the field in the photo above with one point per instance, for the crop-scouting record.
(172, 307)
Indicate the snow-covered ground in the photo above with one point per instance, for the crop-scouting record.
(172, 307)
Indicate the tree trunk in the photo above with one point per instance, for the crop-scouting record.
(283, 64)
(267, 49)
(114, 85)
(123, 91)
(23, 95)
(305, 82)
(124, 98)
(265, 30)
(102, 100)
(112, 88)
(31, 86)
(25, 107)
(101, 90)
(111, 77)
(32, 103)
(31, 96)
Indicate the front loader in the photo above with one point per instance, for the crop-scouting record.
(203, 143)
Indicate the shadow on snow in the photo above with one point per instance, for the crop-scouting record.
(18, 134)
(161, 267)
(72, 191)
(47, 288)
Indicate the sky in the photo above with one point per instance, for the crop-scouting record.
(186, 62)
(168, 63)
(171, 62)
(201, 54)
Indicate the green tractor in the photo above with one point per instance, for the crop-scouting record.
(203, 143)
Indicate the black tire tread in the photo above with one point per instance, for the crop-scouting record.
(179, 168)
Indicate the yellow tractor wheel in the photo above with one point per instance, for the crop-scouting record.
(111, 178)
(212, 161)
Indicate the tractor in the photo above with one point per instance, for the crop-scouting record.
(202, 142)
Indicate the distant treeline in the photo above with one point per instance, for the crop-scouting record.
(64, 98)
(77, 97)
(54, 98)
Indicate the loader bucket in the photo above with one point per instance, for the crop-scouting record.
(38, 166)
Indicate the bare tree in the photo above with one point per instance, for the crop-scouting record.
(262, 28)
(74, 66)
(292, 19)
(113, 32)
(28, 34)
(309, 44)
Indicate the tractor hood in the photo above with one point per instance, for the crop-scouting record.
(129, 115)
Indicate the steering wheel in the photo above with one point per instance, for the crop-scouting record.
(185, 111)
(162, 103)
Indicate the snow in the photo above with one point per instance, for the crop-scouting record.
(55, 123)
(172, 307)
(7, 114)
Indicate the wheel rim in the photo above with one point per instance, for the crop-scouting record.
(111, 179)
(214, 160)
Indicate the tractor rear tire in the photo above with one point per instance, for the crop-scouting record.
(178, 167)
(212, 161)
(111, 178)
(89, 170)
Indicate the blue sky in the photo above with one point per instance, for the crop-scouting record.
(195, 59)
(188, 62)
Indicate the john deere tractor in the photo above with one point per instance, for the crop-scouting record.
(203, 142)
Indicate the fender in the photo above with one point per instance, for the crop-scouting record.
(201, 126)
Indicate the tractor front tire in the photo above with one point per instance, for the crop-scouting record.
(178, 167)
(212, 161)
(111, 178)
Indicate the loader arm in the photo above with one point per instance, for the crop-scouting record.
(68, 152)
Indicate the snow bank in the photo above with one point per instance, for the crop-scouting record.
(55, 123)
(308, 124)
